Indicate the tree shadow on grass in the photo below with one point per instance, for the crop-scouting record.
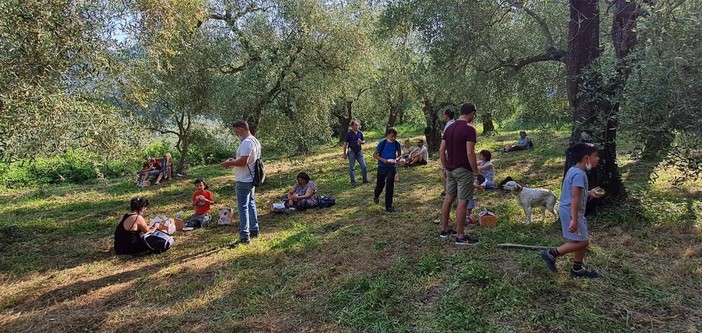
(88, 304)
(86, 222)
(82, 305)
(303, 241)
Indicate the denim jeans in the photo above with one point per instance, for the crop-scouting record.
(199, 220)
(353, 156)
(246, 204)
(386, 176)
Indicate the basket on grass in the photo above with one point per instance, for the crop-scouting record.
(487, 219)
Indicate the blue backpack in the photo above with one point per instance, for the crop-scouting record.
(326, 201)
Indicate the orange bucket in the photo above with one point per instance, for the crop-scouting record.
(488, 221)
(178, 223)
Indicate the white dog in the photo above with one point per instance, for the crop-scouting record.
(528, 198)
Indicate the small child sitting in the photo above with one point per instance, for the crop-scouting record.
(487, 169)
(202, 199)
(406, 151)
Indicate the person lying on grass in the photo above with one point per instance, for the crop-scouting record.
(571, 209)
(202, 200)
(303, 194)
(129, 234)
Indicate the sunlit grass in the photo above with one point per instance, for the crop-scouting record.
(353, 267)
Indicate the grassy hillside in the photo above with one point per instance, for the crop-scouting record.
(352, 267)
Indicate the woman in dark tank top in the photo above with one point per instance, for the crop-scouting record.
(128, 239)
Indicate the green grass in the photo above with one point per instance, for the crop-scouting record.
(353, 268)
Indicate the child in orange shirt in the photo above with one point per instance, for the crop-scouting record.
(202, 199)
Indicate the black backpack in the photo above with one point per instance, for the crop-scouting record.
(259, 172)
(158, 241)
(326, 201)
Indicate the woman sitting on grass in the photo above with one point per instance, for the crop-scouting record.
(524, 143)
(487, 169)
(129, 234)
(303, 194)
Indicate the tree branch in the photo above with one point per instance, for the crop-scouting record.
(551, 54)
(230, 69)
(542, 24)
(163, 131)
(231, 19)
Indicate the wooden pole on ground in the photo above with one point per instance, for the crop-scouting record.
(522, 246)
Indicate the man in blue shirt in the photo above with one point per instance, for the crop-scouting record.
(353, 144)
(387, 153)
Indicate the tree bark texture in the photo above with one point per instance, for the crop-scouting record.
(183, 146)
(583, 50)
(432, 116)
(592, 100)
(395, 108)
(345, 119)
(488, 125)
(394, 112)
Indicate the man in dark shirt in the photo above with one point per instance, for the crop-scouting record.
(353, 145)
(457, 154)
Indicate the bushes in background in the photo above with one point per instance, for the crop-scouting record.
(71, 166)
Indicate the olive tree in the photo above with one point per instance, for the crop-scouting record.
(662, 107)
(54, 57)
(172, 69)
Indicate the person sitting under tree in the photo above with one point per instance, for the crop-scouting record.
(524, 143)
(419, 156)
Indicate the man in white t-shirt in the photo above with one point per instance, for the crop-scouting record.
(420, 155)
(244, 166)
(448, 118)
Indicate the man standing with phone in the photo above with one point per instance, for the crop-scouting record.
(244, 165)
